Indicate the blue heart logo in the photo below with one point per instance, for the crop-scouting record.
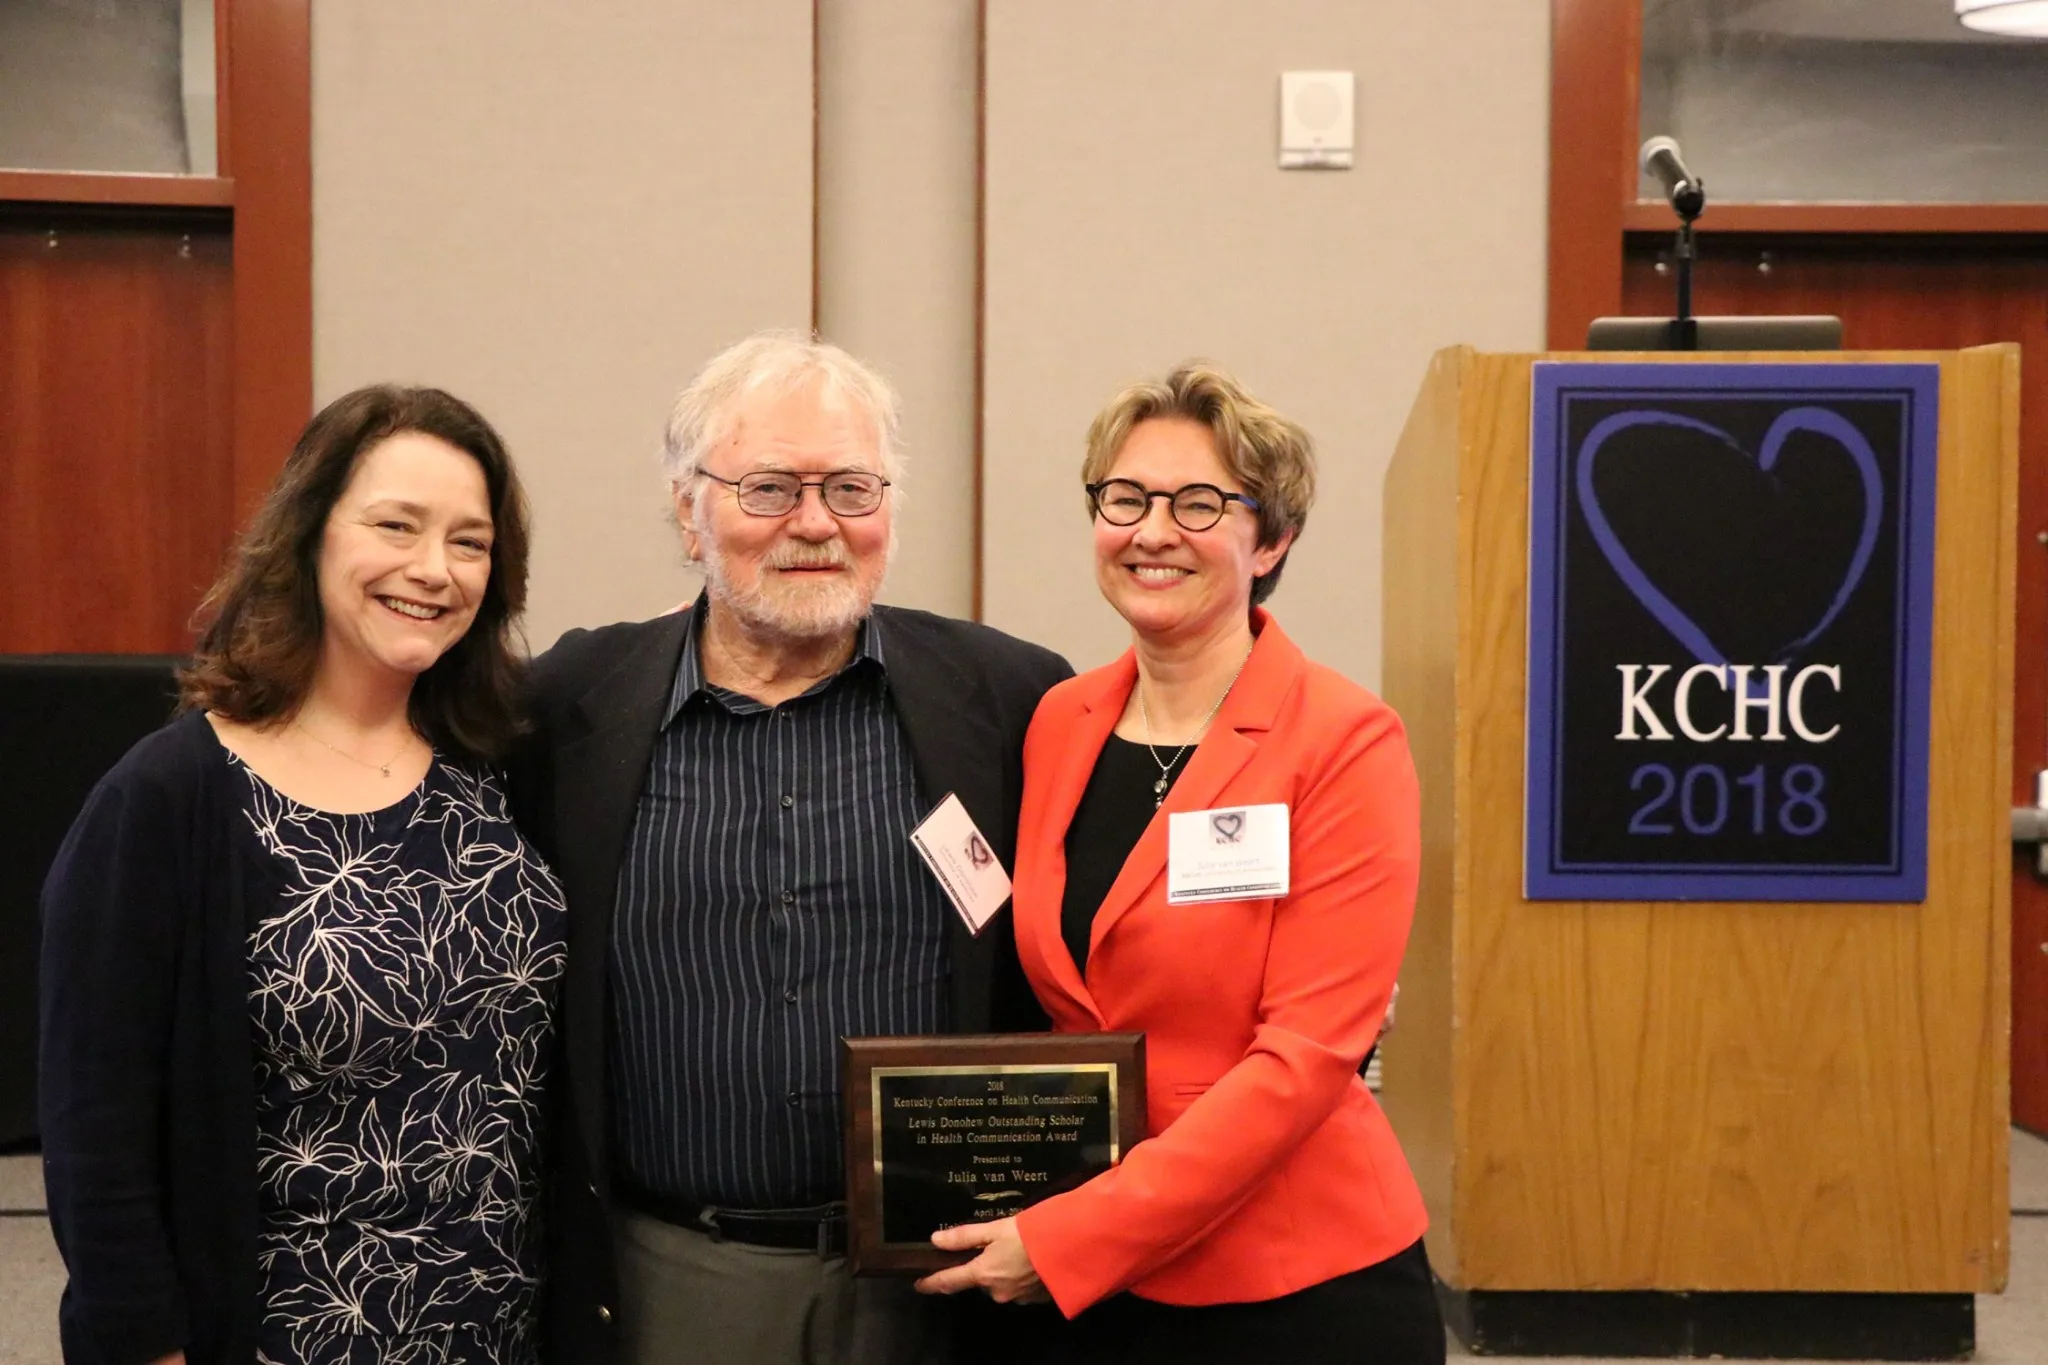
(1792, 421)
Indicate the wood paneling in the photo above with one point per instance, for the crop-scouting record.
(1593, 97)
(157, 375)
(223, 65)
(1595, 55)
(1595, 88)
(267, 146)
(1717, 1096)
(115, 421)
(1896, 294)
(86, 187)
(1419, 596)
(1961, 219)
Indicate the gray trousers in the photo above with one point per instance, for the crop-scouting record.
(685, 1299)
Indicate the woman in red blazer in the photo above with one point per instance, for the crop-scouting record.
(1270, 1213)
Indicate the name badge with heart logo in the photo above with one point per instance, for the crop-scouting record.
(1233, 853)
(956, 851)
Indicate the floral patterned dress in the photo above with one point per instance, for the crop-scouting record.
(402, 1004)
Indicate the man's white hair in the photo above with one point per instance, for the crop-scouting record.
(779, 363)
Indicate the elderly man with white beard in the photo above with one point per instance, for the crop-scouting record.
(728, 793)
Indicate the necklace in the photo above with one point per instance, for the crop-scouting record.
(383, 769)
(1165, 778)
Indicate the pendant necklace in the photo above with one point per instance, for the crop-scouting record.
(383, 769)
(1165, 778)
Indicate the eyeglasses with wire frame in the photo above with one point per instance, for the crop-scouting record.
(1195, 506)
(775, 492)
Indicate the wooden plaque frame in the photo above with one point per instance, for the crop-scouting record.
(1120, 1057)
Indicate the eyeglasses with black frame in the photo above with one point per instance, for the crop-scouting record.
(1195, 506)
(775, 492)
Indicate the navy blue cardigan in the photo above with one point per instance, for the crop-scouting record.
(148, 1086)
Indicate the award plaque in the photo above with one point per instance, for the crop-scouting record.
(972, 1128)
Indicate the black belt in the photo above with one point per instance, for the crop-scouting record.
(820, 1228)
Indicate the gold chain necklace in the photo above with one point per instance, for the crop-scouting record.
(1165, 779)
(383, 769)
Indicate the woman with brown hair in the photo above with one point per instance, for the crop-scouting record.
(298, 967)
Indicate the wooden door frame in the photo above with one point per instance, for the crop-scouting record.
(264, 60)
(267, 146)
(1593, 61)
(1596, 49)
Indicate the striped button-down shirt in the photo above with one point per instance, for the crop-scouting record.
(770, 902)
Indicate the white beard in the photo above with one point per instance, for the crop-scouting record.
(774, 606)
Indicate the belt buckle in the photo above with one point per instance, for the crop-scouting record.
(709, 1218)
(836, 1217)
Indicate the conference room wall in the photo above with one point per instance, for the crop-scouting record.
(1136, 216)
(896, 283)
(558, 211)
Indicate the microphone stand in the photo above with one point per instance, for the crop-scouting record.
(1688, 201)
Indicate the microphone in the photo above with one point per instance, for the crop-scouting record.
(1660, 159)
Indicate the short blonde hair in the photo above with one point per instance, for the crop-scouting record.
(1271, 456)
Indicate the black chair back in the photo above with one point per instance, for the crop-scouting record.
(64, 720)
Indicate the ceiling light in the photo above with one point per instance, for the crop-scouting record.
(2013, 18)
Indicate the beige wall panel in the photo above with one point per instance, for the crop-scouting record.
(557, 212)
(896, 183)
(1137, 216)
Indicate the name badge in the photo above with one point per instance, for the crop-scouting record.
(1233, 853)
(954, 849)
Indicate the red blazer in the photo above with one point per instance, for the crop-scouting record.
(1269, 1166)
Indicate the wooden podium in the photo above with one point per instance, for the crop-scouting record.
(1694, 1127)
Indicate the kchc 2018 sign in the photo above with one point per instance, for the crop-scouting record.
(1731, 572)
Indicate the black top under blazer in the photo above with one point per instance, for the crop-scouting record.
(965, 694)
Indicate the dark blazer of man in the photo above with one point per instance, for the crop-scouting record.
(964, 694)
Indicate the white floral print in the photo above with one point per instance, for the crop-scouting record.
(402, 1004)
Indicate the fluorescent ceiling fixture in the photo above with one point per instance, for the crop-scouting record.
(2016, 18)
